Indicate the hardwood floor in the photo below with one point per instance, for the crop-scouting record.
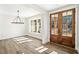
(29, 45)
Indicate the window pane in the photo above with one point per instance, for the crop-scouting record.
(39, 25)
(52, 24)
(55, 24)
(67, 23)
(35, 24)
(32, 26)
(64, 26)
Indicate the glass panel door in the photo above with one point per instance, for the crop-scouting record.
(63, 27)
(55, 24)
(67, 23)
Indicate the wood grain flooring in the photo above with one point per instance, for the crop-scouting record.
(30, 45)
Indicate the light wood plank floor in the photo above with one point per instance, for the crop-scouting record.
(29, 45)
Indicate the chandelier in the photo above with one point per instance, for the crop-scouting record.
(17, 19)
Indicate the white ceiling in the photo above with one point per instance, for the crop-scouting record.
(27, 10)
(49, 7)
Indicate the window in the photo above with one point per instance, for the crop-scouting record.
(36, 25)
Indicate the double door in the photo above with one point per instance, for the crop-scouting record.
(62, 27)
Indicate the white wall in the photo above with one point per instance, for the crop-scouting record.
(45, 28)
(8, 30)
(45, 25)
(76, 22)
(9, 12)
(77, 44)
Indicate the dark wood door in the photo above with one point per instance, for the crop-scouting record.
(62, 28)
(54, 28)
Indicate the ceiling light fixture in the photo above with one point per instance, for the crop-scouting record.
(17, 20)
